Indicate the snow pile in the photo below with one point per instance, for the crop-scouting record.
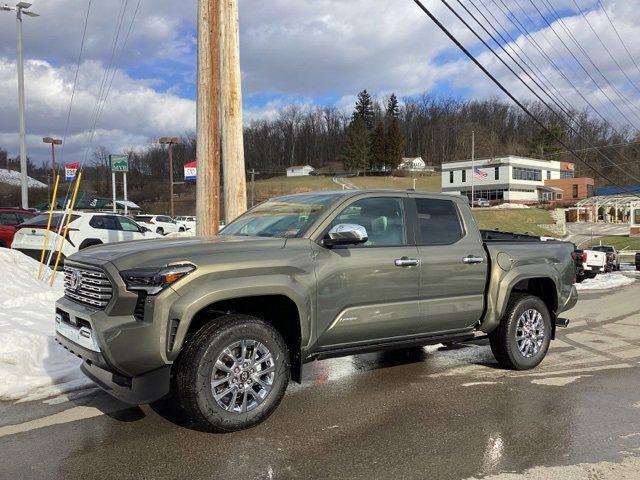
(186, 233)
(32, 364)
(605, 281)
(12, 177)
(511, 205)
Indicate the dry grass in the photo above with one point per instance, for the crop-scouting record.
(278, 186)
(525, 220)
(423, 184)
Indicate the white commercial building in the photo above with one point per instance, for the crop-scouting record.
(506, 179)
(299, 170)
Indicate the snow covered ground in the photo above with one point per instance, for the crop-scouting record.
(32, 364)
(606, 281)
(12, 177)
(511, 205)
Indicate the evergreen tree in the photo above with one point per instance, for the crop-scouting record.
(545, 143)
(394, 140)
(378, 150)
(364, 109)
(357, 145)
(393, 109)
(394, 144)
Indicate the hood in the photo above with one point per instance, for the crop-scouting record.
(161, 251)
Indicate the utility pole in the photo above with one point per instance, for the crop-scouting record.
(253, 185)
(170, 141)
(208, 119)
(473, 166)
(234, 181)
(20, 8)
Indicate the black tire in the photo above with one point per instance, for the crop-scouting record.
(181, 229)
(159, 231)
(195, 368)
(90, 242)
(503, 339)
(3, 245)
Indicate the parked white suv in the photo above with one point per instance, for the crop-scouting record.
(85, 230)
(188, 222)
(161, 224)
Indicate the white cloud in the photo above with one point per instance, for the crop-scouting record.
(291, 51)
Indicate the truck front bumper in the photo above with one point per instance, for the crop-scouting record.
(125, 356)
(138, 390)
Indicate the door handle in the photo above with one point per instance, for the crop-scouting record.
(472, 259)
(407, 262)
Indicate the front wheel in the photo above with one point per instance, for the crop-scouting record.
(159, 231)
(233, 373)
(522, 339)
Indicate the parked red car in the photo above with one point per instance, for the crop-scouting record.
(9, 219)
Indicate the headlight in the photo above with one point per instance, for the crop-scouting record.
(154, 280)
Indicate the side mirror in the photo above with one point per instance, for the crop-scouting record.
(346, 234)
(144, 229)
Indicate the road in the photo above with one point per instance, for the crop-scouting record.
(581, 232)
(422, 413)
(345, 183)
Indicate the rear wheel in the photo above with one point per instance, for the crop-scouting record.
(233, 373)
(522, 339)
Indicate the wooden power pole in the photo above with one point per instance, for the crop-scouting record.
(234, 181)
(208, 119)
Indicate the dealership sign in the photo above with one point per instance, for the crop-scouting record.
(70, 170)
(190, 170)
(119, 163)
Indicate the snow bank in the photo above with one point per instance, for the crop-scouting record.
(606, 281)
(32, 364)
(12, 177)
(186, 233)
(511, 205)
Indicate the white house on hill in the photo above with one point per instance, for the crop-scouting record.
(415, 164)
(299, 170)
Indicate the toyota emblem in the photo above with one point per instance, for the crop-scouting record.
(74, 280)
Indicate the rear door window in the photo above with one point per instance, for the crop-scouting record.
(438, 222)
(8, 219)
(105, 222)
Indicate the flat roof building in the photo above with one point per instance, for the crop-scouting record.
(512, 179)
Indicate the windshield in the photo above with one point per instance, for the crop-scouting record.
(281, 217)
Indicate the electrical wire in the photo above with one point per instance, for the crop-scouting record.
(511, 96)
(624, 45)
(75, 81)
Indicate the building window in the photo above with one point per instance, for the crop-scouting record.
(496, 171)
(566, 173)
(559, 196)
(575, 191)
(520, 173)
(589, 190)
(451, 176)
(464, 176)
(548, 174)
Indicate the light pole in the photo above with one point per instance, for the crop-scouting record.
(170, 141)
(53, 142)
(20, 8)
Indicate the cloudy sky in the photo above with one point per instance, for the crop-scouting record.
(297, 51)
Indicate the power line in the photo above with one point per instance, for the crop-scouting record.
(586, 19)
(75, 81)
(513, 19)
(624, 45)
(509, 94)
(623, 99)
(562, 119)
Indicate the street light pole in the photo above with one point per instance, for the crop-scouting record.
(170, 141)
(53, 142)
(20, 8)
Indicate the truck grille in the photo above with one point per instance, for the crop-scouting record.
(87, 286)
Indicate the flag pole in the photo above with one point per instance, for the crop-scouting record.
(46, 235)
(473, 166)
(66, 228)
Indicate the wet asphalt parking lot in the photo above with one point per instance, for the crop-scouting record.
(430, 412)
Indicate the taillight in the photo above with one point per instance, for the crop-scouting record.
(584, 257)
(614, 257)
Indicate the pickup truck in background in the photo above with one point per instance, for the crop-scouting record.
(613, 258)
(589, 263)
(224, 322)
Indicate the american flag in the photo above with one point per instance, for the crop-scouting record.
(479, 174)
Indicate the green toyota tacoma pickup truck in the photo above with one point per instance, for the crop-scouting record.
(224, 322)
